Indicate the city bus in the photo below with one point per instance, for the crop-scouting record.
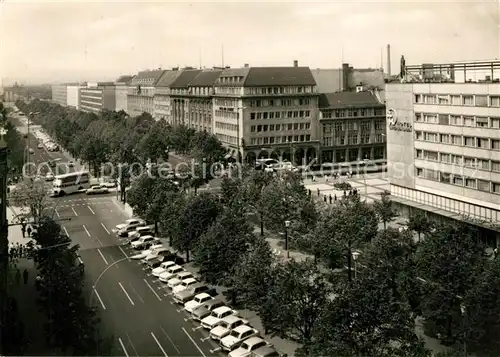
(70, 183)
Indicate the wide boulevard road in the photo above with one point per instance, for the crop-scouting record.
(135, 308)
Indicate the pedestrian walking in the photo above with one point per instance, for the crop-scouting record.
(335, 197)
(23, 230)
(318, 191)
(18, 277)
(25, 276)
(29, 230)
(331, 198)
(324, 198)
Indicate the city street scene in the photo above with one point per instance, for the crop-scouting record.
(210, 179)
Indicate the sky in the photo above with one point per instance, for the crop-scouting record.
(58, 41)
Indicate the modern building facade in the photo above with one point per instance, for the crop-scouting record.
(352, 127)
(141, 91)
(121, 92)
(161, 100)
(60, 94)
(97, 96)
(73, 95)
(267, 112)
(180, 96)
(443, 142)
(201, 91)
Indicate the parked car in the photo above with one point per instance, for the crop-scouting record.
(198, 301)
(265, 351)
(140, 231)
(184, 285)
(146, 252)
(172, 283)
(144, 242)
(233, 340)
(31, 151)
(188, 294)
(215, 318)
(206, 309)
(162, 268)
(109, 183)
(170, 273)
(249, 345)
(40, 146)
(157, 253)
(131, 224)
(97, 189)
(228, 324)
(71, 164)
(49, 176)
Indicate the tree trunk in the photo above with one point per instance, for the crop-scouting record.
(261, 225)
(385, 225)
(187, 255)
(418, 233)
(349, 261)
(156, 228)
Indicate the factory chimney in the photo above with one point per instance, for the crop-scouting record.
(388, 60)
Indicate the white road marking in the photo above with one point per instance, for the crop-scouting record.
(123, 347)
(131, 344)
(126, 294)
(103, 226)
(99, 298)
(194, 342)
(86, 230)
(76, 214)
(102, 256)
(57, 213)
(153, 290)
(66, 231)
(125, 254)
(172, 342)
(90, 209)
(159, 345)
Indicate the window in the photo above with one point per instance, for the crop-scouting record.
(495, 187)
(444, 119)
(482, 122)
(456, 140)
(420, 154)
(379, 124)
(308, 137)
(469, 141)
(455, 120)
(445, 158)
(495, 101)
(259, 128)
(470, 183)
(444, 138)
(259, 116)
(495, 123)
(456, 160)
(443, 99)
(252, 128)
(481, 101)
(430, 137)
(418, 135)
(467, 100)
(483, 164)
(458, 180)
(418, 98)
(418, 117)
(455, 100)
(431, 155)
(469, 161)
(431, 175)
(419, 172)
(430, 118)
(495, 166)
(430, 99)
(468, 121)
(445, 177)
(482, 143)
(495, 144)
(483, 185)
(252, 116)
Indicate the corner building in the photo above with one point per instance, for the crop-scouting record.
(444, 146)
(262, 112)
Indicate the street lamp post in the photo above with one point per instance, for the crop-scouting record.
(287, 224)
(355, 256)
(463, 310)
(102, 273)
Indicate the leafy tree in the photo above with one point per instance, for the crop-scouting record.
(196, 217)
(155, 145)
(141, 194)
(384, 210)
(171, 212)
(231, 188)
(295, 301)
(419, 223)
(30, 194)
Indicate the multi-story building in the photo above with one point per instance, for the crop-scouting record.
(73, 95)
(179, 96)
(267, 112)
(352, 127)
(97, 96)
(60, 94)
(161, 100)
(141, 91)
(121, 92)
(443, 141)
(201, 91)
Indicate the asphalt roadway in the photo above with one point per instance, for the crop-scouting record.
(134, 308)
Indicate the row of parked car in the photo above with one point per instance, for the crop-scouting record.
(224, 325)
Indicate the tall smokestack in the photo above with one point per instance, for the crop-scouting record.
(388, 60)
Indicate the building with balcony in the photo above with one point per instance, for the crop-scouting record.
(73, 95)
(180, 96)
(352, 127)
(97, 96)
(267, 112)
(60, 94)
(443, 141)
(161, 100)
(141, 91)
(121, 92)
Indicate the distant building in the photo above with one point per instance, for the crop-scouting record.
(121, 92)
(60, 94)
(162, 103)
(267, 112)
(346, 79)
(97, 96)
(352, 127)
(73, 95)
(179, 96)
(141, 91)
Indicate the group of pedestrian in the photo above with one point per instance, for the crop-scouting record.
(19, 250)
(18, 276)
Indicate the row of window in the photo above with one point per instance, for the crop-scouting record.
(353, 139)
(224, 102)
(467, 161)
(229, 139)
(279, 102)
(458, 120)
(281, 115)
(462, 140)
(458, 180)
(348, 113)
(365, 125)
(226, 126)
(226, 114)
(459, 99)
(279, 90)
(280, 139)
(228, 90)
(280, 127)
